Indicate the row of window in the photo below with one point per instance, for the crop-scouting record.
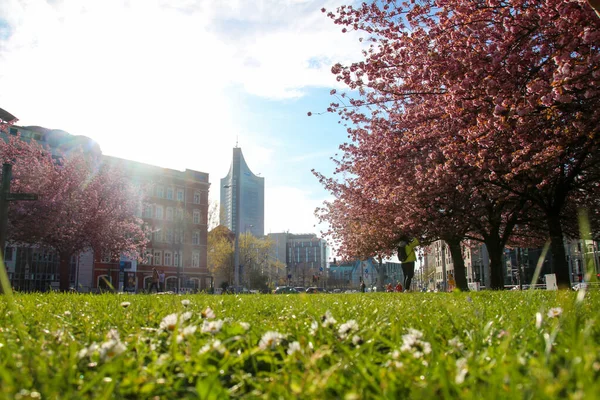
(169, 258)
(170, 214)
(178, 194)
(169, 235)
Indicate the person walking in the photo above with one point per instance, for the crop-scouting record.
(161, 281)
(407, 256)
(154, 283)
(362, 286)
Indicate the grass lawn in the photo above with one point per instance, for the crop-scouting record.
(492, 345)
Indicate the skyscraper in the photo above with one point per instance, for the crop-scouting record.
(243, 198)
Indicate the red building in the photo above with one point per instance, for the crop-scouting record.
(176, 211)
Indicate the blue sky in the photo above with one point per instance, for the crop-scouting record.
(176, 82)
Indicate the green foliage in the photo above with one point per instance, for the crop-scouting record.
(502, 345)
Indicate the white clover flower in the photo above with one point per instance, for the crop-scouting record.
(185, 302)
(346, 328)
(461, 370)
(208, 313)
(169, 322)
(125, 304)
(270, 340)
(212, 327)
(245, 325)
(294, 347)
(356, 340)
(555, 312)
(328, 320)
(456, 343)
(538, 320)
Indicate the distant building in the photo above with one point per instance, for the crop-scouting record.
(349, 274)
(242, 198)
(305, 257)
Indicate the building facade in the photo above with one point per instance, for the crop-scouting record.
(242, 198)
(175, 212)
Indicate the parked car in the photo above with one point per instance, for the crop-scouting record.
(285, 290)
(315, 289)
(300, 289)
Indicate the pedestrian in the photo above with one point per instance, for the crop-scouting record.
(362, 286)
(408, 256)
(398, 287)
(388, 288)
(154, 283)
(161, 281)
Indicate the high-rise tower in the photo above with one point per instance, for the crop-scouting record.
(243, 198)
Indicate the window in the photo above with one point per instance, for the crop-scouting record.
(148, 211)
(196, 216)
(179, 194)
(169, 235)
(179, 214)
(160, 192)
(169, 213)
(176, 259)
(8, 254)
(170, 193)
(177, 237)
(158, 236)
(167, 258)
(148, 257)
(195, 259)
(196, 238)
(157, 257)
(14, 131)
(196, 197)
(159, 212)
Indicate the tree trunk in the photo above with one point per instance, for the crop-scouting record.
(381, 276)
(64, 270)
(559, 260)
(460, 276)
(495, 250)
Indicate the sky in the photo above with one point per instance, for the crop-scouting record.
(177, 83)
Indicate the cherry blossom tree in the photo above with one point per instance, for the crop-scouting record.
(509, 89)
(82, 205)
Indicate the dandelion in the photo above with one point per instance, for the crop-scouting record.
(245, 325)
(169, 322)
(555, 312)
(270, 340)
(346, 328)
(538, 320)
(461, 370)
(125, 304)
(185, 302)
(212, 327)
(208, 313)
(328, 320)
(293, 348)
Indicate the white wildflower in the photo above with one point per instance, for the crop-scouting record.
(461, 370)
(185, 302)
(456, 343)
(356, 340)
(186, 316)
(215, 345)
(67, 313)
(538, 320)
(314, 326)
(555, 312)
(212, 326)
(294, 347)
(185, 332)
(328, 320)
(125, 304)
(412, 343)
(169, 322)
(346, 328)
(245, 325)
(208, 313)
(270, 340)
